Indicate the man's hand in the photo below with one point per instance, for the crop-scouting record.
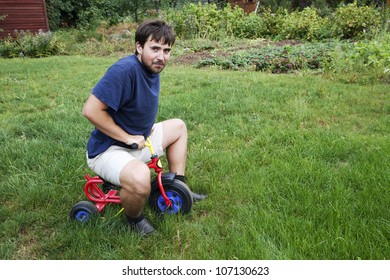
(137, 141)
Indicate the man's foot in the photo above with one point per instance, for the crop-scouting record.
(198, 197)
(143, 227)
(195, 197)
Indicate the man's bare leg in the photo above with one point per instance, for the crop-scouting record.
(135, 183)
(175, 142)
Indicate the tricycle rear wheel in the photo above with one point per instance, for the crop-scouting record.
(84, 211)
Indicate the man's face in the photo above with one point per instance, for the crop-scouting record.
(154, 55)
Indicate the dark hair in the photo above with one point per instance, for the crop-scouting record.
(158, 30)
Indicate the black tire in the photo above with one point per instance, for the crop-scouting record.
(84, 211)
(177, 192)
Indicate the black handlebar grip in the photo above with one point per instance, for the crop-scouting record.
(134, 146)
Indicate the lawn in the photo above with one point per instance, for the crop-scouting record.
(295, 166)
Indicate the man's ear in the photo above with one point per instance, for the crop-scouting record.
(139, 47)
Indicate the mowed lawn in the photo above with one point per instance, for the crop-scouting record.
(295, 166)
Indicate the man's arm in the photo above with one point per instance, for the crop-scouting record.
(96, 112)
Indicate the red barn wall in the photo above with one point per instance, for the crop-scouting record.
(23, 15)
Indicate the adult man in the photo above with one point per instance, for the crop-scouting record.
(123, 107)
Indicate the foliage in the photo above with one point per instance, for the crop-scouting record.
(325, 6)
(88, 14)
(196, 21)
(26, 43)
(116, 40)
(305, 25)
(275, 59)
(207, 21)
(271, 22)
(206, 28)
(353, 21)
(364, 62)
(245, 26)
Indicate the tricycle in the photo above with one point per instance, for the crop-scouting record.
(168, 195)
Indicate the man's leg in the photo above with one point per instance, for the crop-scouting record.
(175, 142)
(123, 168)
(135, 183)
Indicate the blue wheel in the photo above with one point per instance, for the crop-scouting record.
(179, 195)
(83, 211)
(175, 198)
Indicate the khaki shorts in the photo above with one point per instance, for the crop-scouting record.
(110, 163)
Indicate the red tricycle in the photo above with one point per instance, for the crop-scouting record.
(168, 195)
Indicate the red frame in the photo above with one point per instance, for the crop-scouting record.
(95, 194)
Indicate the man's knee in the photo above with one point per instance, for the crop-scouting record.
(175, 127)
(135, 178)
(181, 125)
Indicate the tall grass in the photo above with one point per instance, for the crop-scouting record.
(296, 167)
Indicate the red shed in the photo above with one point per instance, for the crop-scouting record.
(23, 15)
(247, 5)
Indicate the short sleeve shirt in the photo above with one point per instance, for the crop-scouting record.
(131, 93)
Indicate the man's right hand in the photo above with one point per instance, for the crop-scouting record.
(136, 142)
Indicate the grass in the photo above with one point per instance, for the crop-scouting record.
(296, 166)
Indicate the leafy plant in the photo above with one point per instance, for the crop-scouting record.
(196, 21)
(276, 59)
(363, 62)
(271, 23)
(305, 25)
(353, 21)
(26, 43)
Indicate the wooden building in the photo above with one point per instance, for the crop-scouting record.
(23, 15)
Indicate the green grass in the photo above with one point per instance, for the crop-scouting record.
(296, 167)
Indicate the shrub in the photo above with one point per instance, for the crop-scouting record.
(194, 21)
(31, 45)
(271, 23)
(305, 25)
(247, 26)
(208, 22)
(352, 21)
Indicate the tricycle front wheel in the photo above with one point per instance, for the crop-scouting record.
(178, 193)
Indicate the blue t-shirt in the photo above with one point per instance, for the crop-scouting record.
(131, 93)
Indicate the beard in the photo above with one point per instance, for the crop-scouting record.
(154, 67)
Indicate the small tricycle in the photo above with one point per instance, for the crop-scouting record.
(168, 195)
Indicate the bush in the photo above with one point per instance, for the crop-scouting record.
(197, 21)
(208, 22)
(305, 25)
(354, 22)
(271, 23)
(31, 45)
(247, 26)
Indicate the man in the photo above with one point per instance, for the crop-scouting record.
(123, 107)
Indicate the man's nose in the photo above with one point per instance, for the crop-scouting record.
(160, 55)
